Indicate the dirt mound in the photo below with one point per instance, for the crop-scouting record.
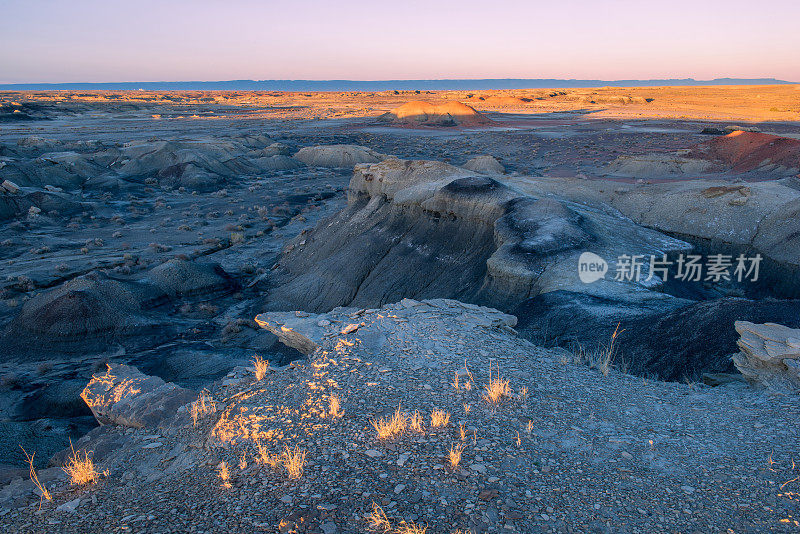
(426, 114)
(748, 151)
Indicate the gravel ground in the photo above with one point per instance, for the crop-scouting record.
(579, 452)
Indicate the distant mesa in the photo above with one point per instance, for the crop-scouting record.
(419, 113)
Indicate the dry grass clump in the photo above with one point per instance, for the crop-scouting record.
(439, 418)
(454, 455)
(496, 389)
(45, 494)
(224, 474)
(415, 422)
(378, 522)
(394, 426)
(80, 468)
(335, 407)
(261, 367)
(202, 406)
(293, 460)
(411, 528)
(265, 457)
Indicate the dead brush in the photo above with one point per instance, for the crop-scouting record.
(439, 418)
(334, 407)
(224, 474)
(202, 406)
(294, 460)
(261, 367)
(264, 457)
(411, 528)
(496, 389)
(603, 359)
(415, 423)
(378, 522)
(454, 455)
(45, 494)
(394, 426)
(80, 468)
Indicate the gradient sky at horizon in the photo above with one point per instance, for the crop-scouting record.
(180, 40)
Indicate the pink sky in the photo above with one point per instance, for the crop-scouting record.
(144, 40)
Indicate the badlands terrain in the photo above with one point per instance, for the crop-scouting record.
(352, 312)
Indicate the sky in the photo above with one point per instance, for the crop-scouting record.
(181, 40)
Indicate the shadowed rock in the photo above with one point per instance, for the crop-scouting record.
(179, 277)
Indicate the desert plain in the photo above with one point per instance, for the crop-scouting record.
(351, 312)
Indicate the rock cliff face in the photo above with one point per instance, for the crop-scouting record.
(423, 229)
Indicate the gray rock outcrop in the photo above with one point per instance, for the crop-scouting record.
(124, 396)
(769, 355)
(337, 156)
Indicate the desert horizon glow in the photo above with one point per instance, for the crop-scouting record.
(92, 41)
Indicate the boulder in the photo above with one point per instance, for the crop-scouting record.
(337, 156)
(126, 397)
(419, 113)
(485, 165)
(769, 355)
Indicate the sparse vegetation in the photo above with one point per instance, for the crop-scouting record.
(294, 460)
(43, 491)
(454, 455)
(394, 426)
(202, 406)
(439, 418)
(378, 522)
(80, 468)
(415, 422)
(224, 474)
(496, 389)
(334, 407)
(261, 367)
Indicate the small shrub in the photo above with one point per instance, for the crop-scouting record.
(261, 367)
(439, 418)
(80, 468)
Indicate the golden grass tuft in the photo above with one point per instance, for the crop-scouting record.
(45, 494)
(454, 455)
(411, 528)
(80, 469)
(415, 422)
(293, 460)
(335, 407)
(202, 406)
(261, 367)
(439, 418)
(496, 389)
(394, 426)
(378, 522)
(224, 474)
(265, 457)
(243, 461)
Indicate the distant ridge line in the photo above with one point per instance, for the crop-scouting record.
(381, 85)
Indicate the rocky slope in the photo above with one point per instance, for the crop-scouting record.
(567, 449)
